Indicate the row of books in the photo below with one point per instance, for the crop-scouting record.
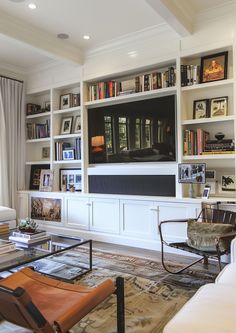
(38, 131)
(4, 229)
(194, 141)
(190, 75)
(146, 82)
(63, 146)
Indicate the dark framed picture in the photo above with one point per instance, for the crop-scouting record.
(68, 154)
(211, 175)
(66, 125)
(201, 108)
(219, 106)
(77, 128)
(214, 67)
(65, 101)
(47, 106)
(46, 180)
(70, 177)
(35, 175)
(75, 100)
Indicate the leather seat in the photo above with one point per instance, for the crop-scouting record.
(58, 305)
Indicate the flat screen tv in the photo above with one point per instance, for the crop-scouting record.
(141, 131)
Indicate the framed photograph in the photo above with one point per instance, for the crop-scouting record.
(75, 100)
(77, 128)
(201, 108)
(70, 177)
(228, 183)
(210, 175)
(219, 106)
(192, 173)
(214, 67)
(65, 101)
(35, 175)
(206, 192)
(46, 152)
(46, 179)
(68, 154)
(66, 125)
(47, 106)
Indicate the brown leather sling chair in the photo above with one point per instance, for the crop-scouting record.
(45, 305)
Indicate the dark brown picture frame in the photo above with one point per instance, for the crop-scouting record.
(214, 67)
(201, 108)
(35, 175)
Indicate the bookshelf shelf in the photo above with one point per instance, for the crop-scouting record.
(37, 162)
(208, 85)
(67, 162)
(38, 140)
(73, 109)
(209, 157)
(39, 115)
(66, 136)
(132, 97)
(208, 120)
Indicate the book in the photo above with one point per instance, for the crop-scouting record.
(6, 246)
(19, 240)
(14, 254)
(27, 235)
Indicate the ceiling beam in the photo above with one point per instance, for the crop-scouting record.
(177, 13)
(43, 41)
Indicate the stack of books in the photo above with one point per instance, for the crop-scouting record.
(4, 229)
(6, 246)
(24, 239)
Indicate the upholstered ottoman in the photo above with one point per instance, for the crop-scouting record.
(8, 215)
(212, 309)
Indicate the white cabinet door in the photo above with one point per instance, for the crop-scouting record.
(22, 209)
(77, 213)
(138, 219)
(104, 215)
(176, 210)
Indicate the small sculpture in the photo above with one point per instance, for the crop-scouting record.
(28, 225)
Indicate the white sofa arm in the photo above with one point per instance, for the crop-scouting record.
(233, 251)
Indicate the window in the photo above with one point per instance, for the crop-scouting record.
(109, 134)
(137, 143)
(123, 135)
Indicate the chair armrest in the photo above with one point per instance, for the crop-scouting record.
(177, 221)
(228, 235)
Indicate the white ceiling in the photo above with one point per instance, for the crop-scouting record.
(105, 21)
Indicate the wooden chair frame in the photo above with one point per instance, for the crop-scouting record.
(210, 215)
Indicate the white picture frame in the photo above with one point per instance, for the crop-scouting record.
(206, 192)
(77, 128)
(228, 183)
(66, 125)
(46, 181)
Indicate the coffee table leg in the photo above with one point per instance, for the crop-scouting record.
(90, 255)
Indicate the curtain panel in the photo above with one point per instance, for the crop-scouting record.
(12, 140)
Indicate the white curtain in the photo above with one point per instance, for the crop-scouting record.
(12, 140)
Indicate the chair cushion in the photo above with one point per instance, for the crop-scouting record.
(7, 214)
(227, 275)
(202, 236)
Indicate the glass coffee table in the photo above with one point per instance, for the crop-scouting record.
(62, 257)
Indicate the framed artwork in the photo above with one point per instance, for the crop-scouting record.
(66, 125)
(68, 154)
(46, 152)
(201, 108)
(46, 181)
(47, 106)
(75, 100)
(77, 128)
(192, 173)
(214, 67)
(210, 175)
(46, 209)
(35, 175)
(70, 177)
(65, 101)
(206, 192)
(228, 183)
(219, 106)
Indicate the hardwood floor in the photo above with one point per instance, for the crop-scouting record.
(152, 255)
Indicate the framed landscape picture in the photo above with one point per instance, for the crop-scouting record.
(201, 108)
(219, 106)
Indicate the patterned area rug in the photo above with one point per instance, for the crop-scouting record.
(152, 296)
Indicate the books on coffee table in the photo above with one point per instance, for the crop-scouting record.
(6, 246)
(29, 241)
(29, 235)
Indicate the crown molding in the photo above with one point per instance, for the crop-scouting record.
(43, 41)
(126, 40)
(15, 72)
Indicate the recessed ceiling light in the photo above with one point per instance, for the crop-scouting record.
(86, 37)
(63, 36)
(32, 5)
